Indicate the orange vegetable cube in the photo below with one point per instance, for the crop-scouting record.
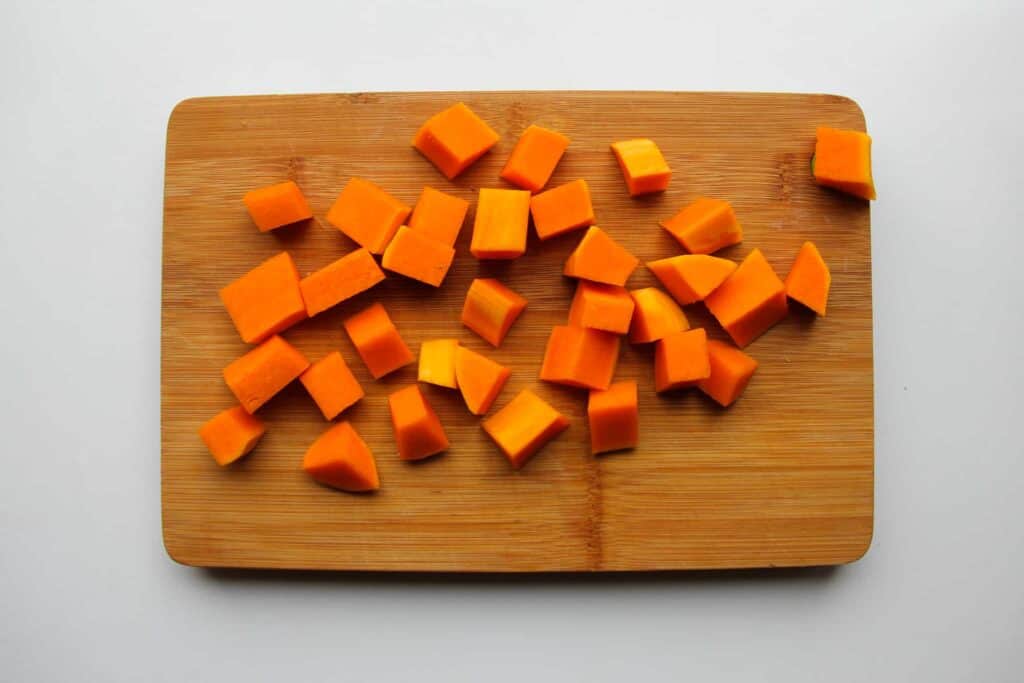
(750, 301)
(439, 215)
(580, 357)
(523, 426)
(561, 209)
(367, 214)
(437, 362)
(614, 418)
(681, 360)
(453, 139)
(480, 379)
(231, 434)
(602, 307)
(731, 370)
(352, 274)
(499, 229)
(341, 459)
(656, 316)
(332, 385)
(255, 377)
(842, 160)
(599, 258)
(418, 431)
(377, 340)
(418, 256)
(534, 158)
(809, 279)
(490, 309)
(266, 300)
(705, 226)
(643, 166)
(691, 277)
(277, 205)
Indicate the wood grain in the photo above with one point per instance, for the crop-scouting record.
(783, 478)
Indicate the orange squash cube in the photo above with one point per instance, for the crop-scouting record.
(731, 370)
(705, 226)
(580, 357)
(655, 316)
(562, 209)
(418, 256)
(842, 160)
(681, 360)
(276, 206)
(523, 426)
(691, 277)
(266, 300)
(257, 376)
(453, 139)
(377, 341)
(332, 385)
(341, 459)
(418, 431)
(490, 309)
(367, 214)
(614, 418)
(643, 166)
(231, 434)
(437, 362)
(750, 301)
(480, 379)
(599, 258)
(499, 228)
(439, 215)
(601, 307)
(352, 274)
(809, 279)
(534, 158)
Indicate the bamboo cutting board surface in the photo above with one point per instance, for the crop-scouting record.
(782, 478)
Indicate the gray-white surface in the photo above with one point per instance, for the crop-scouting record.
(87, 591)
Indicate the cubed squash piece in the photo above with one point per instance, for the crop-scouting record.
(377, 341)
(601, 307)
(266, 300)
(523, 426)
(643, 166)
(453, 139)
(368, 214)
(842, 160)
(437, 362)
(276, 206)
(599, 258)
(580, 357)
(332, 385)
(809, 279)
(614, 418)
(341, 459)
(418, 256)
(490, 309)
(656, 316)
(731, 370)
(705, 226)
(257, 376)
(499, 228)
(691, 277)
(418, 431)
(562, 209)
(750, 301)
(480, 379)
(352, 274)
(439, 215)
(534, 158)
(230, 434)
(681, 360)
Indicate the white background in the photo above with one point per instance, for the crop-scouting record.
(87, 592)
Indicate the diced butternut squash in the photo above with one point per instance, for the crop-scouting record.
(418, 256)
(691, 277)
(561, 209)
(731, 370)
(480, 379)
(523, 426)
(377, 340)
(580, 357)
(842, 160)
(262, 372)
(332, 385)
(277, 205)
(656, 316)
(490, 309)
(602, 307)
(437, 362)
(453, 139)
(599, 258)
(341, 459)
(681, 360)
(418, 431)
(352, 274)
(809, 279)
(705, 226)
(439, 215)
(643, 166)
(534, 158)
(499, 229)
(367, 214)
(614, 418)
(750, 301)
(266, 300)
(231, 434)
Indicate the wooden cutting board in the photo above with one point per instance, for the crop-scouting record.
(783, 478)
